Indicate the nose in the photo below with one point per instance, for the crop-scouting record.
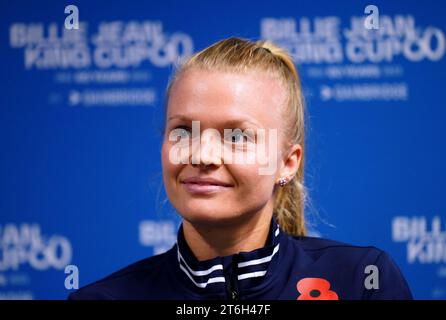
(208, 151)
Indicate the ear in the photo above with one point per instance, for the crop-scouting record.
(291, 162)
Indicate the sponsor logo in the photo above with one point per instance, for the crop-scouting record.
(425, 238)
(24, 244)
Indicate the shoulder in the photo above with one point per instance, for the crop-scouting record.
(356, 262)
(130, 282)
(319, 247)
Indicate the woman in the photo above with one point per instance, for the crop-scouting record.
(243, 231)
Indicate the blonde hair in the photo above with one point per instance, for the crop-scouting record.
(241, 55)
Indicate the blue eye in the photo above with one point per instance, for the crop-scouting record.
(236, 135)
(183, 131)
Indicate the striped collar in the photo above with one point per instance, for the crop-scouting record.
(248, 268)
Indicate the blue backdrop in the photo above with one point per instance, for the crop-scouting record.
(81, 114)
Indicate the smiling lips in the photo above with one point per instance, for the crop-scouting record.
(197, 185)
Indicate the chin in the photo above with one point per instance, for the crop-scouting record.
(208, 215)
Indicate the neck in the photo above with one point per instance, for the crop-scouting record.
(210, 241)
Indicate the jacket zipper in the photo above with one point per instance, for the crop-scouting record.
(232, 288)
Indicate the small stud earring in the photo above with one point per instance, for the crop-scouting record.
(283, 181)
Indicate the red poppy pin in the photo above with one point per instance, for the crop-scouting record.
(315, 289)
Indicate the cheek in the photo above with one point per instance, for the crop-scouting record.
(164, 157)
(169, 168)
(250, 182)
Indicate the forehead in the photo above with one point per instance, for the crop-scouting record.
(215, 97)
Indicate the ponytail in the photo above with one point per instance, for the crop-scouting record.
(290, 200)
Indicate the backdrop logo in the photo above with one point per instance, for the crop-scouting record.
(24, 244)
(160, 235)
(322, 39)
(425, 238)
(108, 63)
(118, 44)
(359, 60)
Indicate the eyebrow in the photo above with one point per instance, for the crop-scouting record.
(232, 122)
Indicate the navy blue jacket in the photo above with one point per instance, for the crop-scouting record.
(285, 268)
